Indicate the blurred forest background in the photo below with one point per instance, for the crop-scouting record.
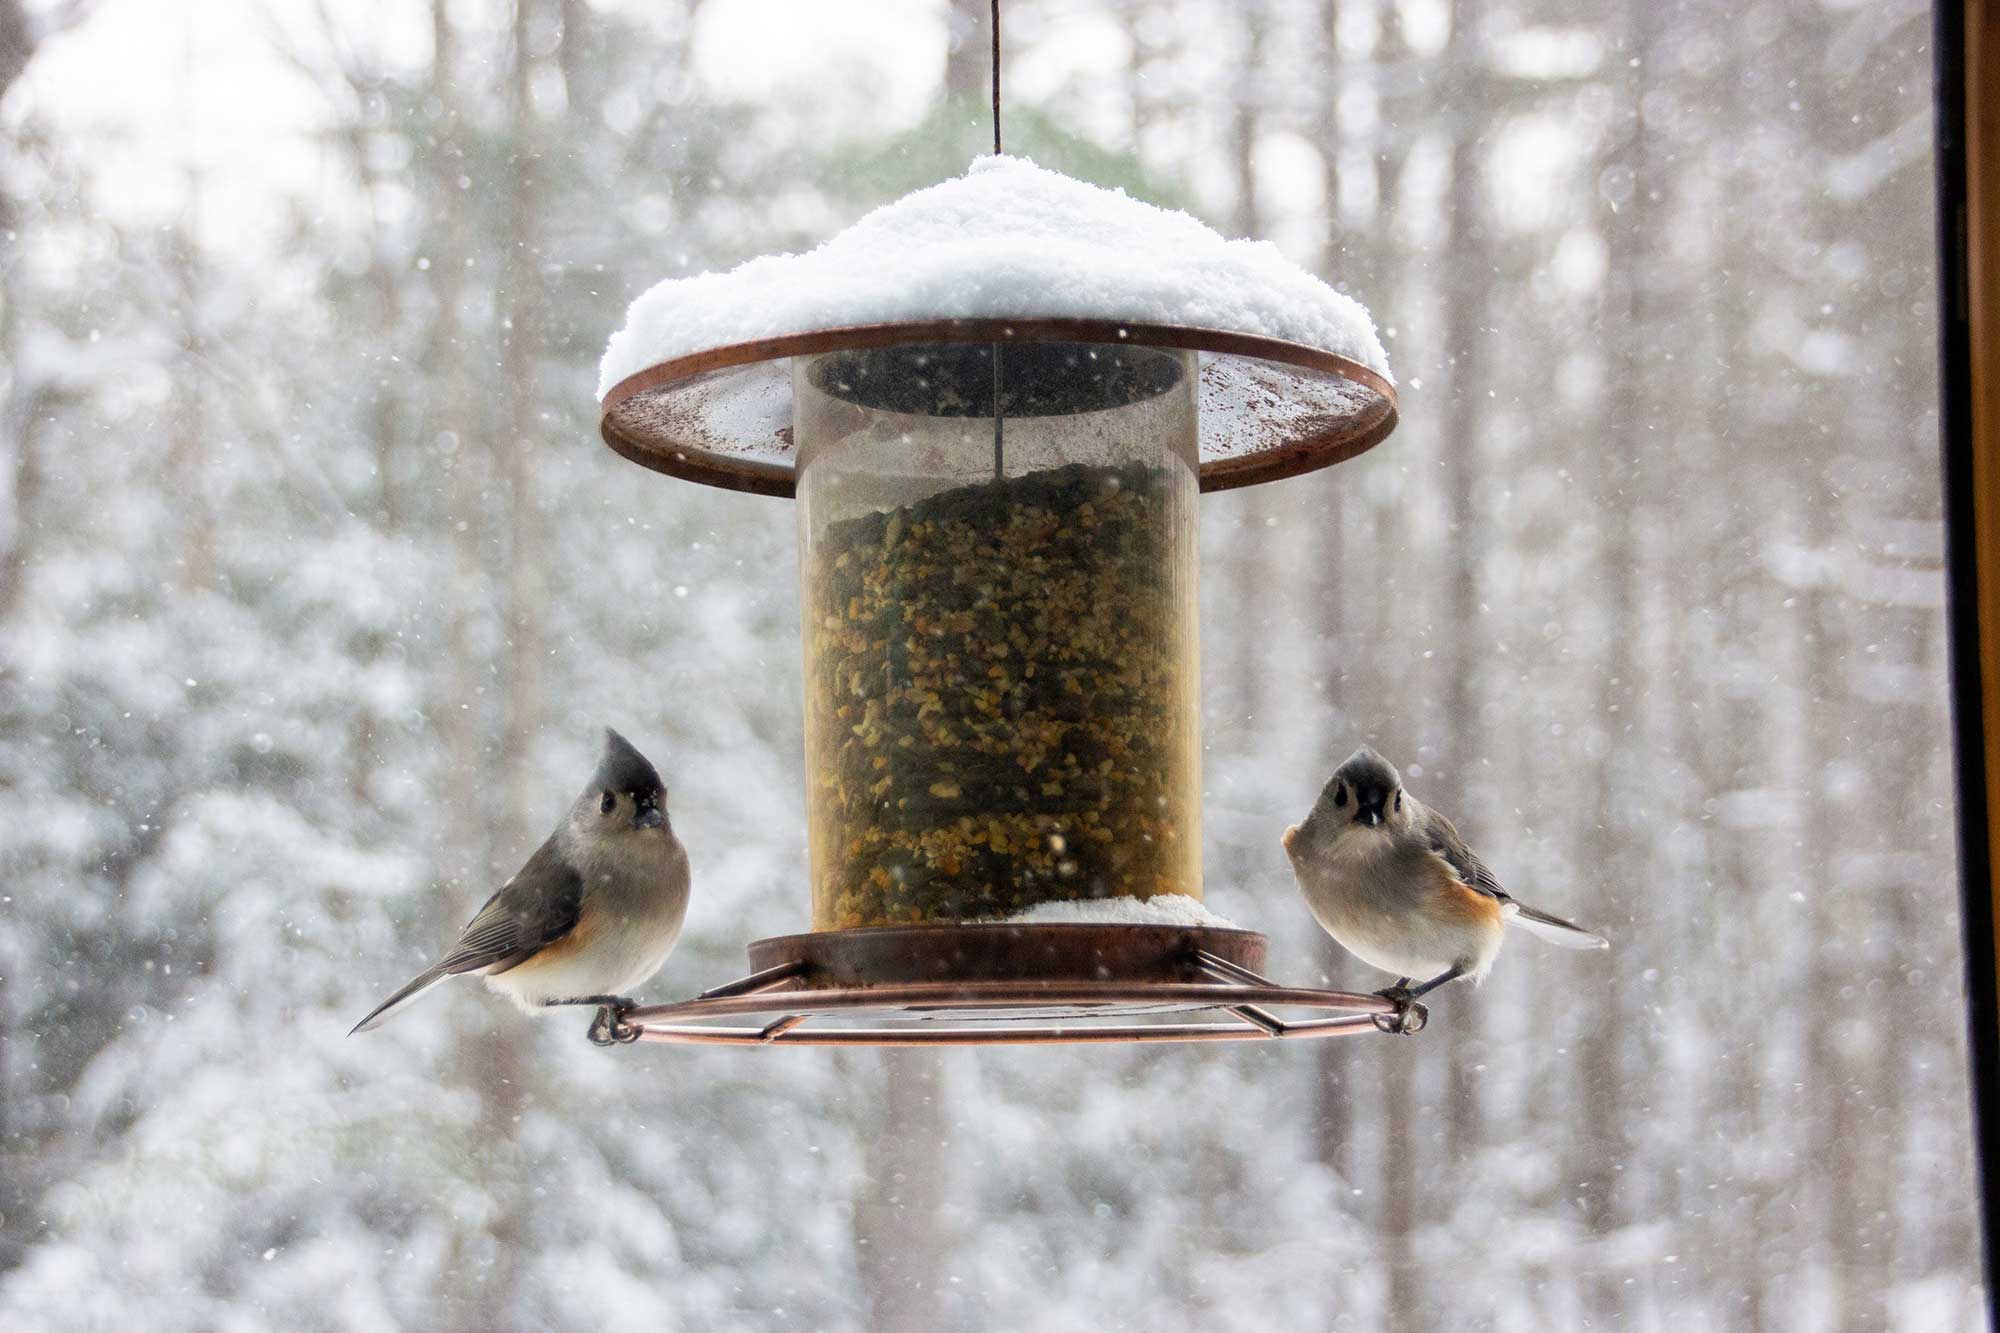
(315, 586)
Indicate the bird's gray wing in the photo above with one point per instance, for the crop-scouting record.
(1444, 840)
(535, 908)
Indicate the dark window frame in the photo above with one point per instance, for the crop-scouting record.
(1967, 47)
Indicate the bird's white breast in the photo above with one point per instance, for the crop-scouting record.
(635, 903)
(1379, 899)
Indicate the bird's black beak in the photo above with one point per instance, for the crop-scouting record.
(647, 815)
(1368, 808)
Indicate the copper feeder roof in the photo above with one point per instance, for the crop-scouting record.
(1269, 409)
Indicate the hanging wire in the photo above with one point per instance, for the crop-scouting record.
(996, 77)
(999, 422)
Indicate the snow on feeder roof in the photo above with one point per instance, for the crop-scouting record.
(1292, 375)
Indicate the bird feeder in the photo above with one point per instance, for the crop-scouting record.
(995, 404)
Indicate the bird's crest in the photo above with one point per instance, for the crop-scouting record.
(1365, 769)
(623, 768)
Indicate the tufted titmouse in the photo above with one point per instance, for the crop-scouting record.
(1391, 880)
(593, 913)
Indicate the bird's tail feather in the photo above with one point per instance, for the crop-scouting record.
(1564, 934)
(417, 985)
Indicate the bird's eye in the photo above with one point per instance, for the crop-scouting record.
(1340, 795)
(608, 804)
(1399, 800)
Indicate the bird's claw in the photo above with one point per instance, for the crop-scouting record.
(609, 1028)
(1409, 1017)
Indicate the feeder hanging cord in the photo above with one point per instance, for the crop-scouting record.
(999, 422)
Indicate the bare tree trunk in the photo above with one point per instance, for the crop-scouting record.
(1456, 742)
(1335, 1063)
(1246, 124)
(1360, 612)
(482, 1287)
(387, 422)
(187, 443)
(462, 728)
(1841, 1137)
(1406, 1310)
(1754, 738)
(902, 1237)
(1836, 1134)
(22, 401)
(577, 57)
(18, 43)
(1401, 1187)
(968, 63)
(1338, 1069)
(17, 420)
(14, 1161)
(1141, 44)
(1614, 848)
(1895, 709)
(969, 67)
(187, 446)
(519, 302)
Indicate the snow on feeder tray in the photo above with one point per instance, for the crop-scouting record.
(995, 401)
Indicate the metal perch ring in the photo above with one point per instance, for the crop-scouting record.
(1009, 1011)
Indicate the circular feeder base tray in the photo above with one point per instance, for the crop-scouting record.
(1003, 984)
